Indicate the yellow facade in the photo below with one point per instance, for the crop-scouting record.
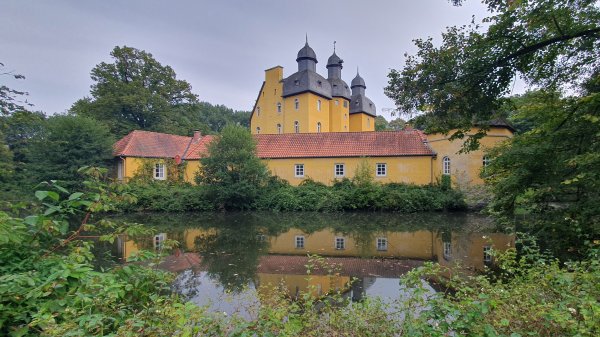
(339, 115)
(131, 166)
(465, 168)
(412, 170)
(360, 122)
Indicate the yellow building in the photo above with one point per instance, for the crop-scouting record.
(306, 102)
(308, 126)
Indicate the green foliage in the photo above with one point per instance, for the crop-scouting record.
(548, 43)
(6, 161)
(231, 172)
(145, 173)
(381, 124)
(11, 99)
(68, 143)
(551, 172)
(134, 92)
(162, 197)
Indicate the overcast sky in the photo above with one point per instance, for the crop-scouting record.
(220, 47)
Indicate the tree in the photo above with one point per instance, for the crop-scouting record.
(397, 124)
(134, 92)
(551, 172)
(231, 171)
(67, 144)
(6, 161)
(19, 129)
(10, 99)
(381, 124)
(553, 44)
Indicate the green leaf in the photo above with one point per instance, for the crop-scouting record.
(75, 196)
(41, 195)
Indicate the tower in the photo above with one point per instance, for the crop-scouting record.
(362, 109)
(339, 120)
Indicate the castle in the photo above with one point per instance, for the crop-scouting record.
(306, 126)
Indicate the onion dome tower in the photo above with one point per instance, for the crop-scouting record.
(306, 78)
(360, 103)
(339, 88)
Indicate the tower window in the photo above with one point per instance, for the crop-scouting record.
(319, 127)
(345, 115)
(296, 104)
(337, 102)
(296, 127)
(274, 91)
(279, 128)
(446, 165)
(258, 130)
(318, 105)
(258, 111)
(278, 107)
(346, 103)
(368, 122)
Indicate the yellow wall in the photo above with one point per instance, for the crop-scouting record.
(268, 97)
(413, 245)
(360, 122)
(465, 167)
(416, 170)
(131, 165)
(339, 116)
(316, 285)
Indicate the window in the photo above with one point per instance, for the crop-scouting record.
(486, 161)
(345, 115)
(296, 127)
(381, 170)
(278, 107)
(258, 111)
(487, 254)
(318, 105)
(368, 122)
(257, 129)
(319, 127)
(279, 128)
(345, 104)
(158, 240)
(339, 170)
(299, 241)
(120, 170)
(299, 170)
(447, 250)
(337, 102)
(159, 171)
(340, 243)
(296, 104)
(275, 92)
(446, 165)
(382, 244)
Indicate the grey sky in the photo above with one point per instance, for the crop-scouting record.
(221, 47)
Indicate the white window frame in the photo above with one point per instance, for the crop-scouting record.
(296, 104)
(337, 102)
(381, 169)
(120, 169)
(299, 170)
(487, 254)
(279, 128)
(296, 127)
(345, 104)
(278, 107)
(339, 243)
(447, 249)
(381, 244)
(299, 241)
(160, 171)
(446, 165)
(486, 161)
(339, 170)
(318, 127)
(318, 105)
(158, 240)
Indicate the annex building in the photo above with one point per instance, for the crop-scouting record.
(309, 126)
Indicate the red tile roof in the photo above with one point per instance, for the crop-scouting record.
(343, 144)
(297, 145)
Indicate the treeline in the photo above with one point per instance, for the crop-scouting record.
(134, 92)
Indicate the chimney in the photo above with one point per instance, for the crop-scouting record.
(197, 136)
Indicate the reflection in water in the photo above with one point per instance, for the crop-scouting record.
(231, 253)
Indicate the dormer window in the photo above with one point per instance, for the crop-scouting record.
(296, 82)
(319, 83)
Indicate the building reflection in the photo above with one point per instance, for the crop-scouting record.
(238, 256)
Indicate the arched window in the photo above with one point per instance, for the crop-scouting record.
(278, 107)
(296, 127)
(446, 165)
(319, 127)
(337, 102)
(279, 128)
(296, 104)
(318, 105)
(257, 129)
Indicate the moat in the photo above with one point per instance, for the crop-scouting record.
(228, 261)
